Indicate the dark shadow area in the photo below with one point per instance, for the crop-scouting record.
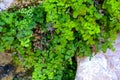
(70, 70)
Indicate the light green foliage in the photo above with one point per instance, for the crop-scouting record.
(73, 20)
(64, 28)
(80, 27)
(16, 33)
(112, 16)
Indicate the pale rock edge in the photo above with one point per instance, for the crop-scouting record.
(102, 66)
(4, 4)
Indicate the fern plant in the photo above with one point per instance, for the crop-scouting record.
(48, 36)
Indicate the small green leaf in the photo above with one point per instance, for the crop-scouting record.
(1, 29)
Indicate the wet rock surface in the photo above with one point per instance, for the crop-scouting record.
(6, 72)
(5, 67)
(102, 66)
(10, 72)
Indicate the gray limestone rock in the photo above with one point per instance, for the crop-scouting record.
(4, 4)
(102, 66)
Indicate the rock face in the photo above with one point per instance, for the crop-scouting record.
(103, 66)
(4, 4)
(5, 58)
